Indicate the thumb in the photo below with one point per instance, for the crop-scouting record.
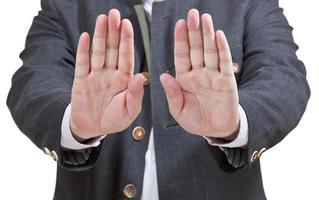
(173, 93)
(135, 95)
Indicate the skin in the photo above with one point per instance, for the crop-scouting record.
(107, 96)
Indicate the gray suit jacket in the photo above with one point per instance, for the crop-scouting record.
(272, 89)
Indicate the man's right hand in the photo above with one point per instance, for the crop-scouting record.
(106, 96)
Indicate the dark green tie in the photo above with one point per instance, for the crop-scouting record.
(139, 9)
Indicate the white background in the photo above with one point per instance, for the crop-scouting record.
(290, 169)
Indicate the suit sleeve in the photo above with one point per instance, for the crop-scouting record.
(41, 88)
(273, 89)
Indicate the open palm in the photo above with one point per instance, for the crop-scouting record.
(106, 96)
(203, 98)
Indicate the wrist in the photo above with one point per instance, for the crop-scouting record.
(232, 136)
(224, 139)
(76, 136)
(84, 140)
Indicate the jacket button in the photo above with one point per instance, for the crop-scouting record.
(261, 152)
(254, 157)
(54, 155)
(138, 133)
(236, 68)
(47, 151)
(130, 191)
(147, 78)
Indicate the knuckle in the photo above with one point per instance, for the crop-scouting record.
(228, 74)
(182, 54)
(99, 37)
(83, 63)
(126, 54)
(98, 53)
(225, 61)
(211, 50)
(196, 46)
(111, 46)
(127, 40)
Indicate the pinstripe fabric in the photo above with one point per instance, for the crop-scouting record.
(77, 157)
(235, 156)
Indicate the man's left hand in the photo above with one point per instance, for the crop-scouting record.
(203, 98)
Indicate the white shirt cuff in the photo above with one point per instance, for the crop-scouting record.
(67, 139)
(242, 137)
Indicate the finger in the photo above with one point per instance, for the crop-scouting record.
(210, 48)
(113, 38)
(173, 93)
(126, 49)
(135, 95)
(195, 39)
(224, 55)
(181, 50)
(98, 43)
(82, 66)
